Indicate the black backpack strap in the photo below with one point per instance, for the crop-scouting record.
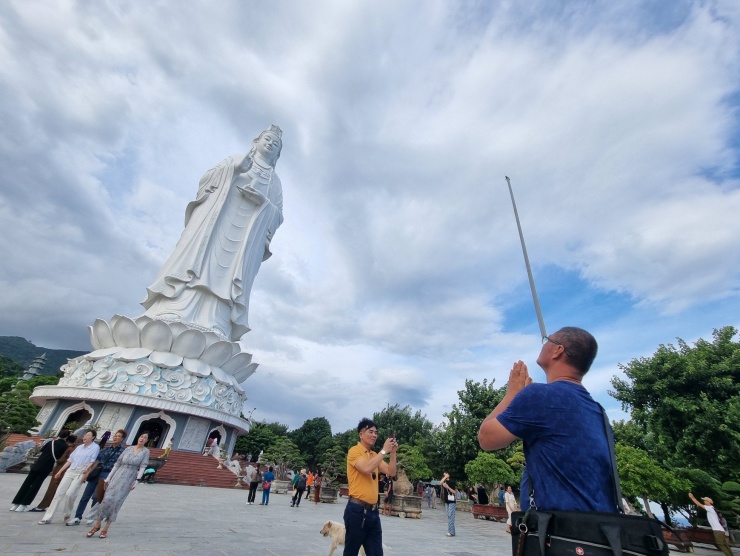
(615, 473)
(612, 532)
(543, 521)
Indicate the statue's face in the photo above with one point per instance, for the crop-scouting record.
(268, 145)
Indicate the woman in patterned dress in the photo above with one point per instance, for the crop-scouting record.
(122, 480)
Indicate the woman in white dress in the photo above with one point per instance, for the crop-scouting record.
(511, 506)
(122, 480)
(215, 449)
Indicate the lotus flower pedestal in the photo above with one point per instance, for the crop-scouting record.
(147, 363)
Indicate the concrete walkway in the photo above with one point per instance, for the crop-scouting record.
(167, 519)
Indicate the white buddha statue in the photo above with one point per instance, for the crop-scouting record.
(207, 281)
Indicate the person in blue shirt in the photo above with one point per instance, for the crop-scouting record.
(267, 479)
(565, 442)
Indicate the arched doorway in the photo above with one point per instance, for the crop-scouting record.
(157, 428)
(161, 419)
(80, 413)
(219, 433)
(215, 434)
(81, 416)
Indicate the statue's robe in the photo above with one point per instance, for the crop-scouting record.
(208, 279)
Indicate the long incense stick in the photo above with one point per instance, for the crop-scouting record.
(526, 262)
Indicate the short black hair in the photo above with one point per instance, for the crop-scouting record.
(93, 432)
(365, 423)
(580, 345)
(71, 439)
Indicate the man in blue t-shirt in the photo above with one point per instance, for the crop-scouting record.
(565, 443)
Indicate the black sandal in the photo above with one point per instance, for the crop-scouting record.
(92, 531)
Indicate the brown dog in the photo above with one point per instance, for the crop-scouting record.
(336, 532)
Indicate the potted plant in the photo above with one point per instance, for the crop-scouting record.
(334, 462)
(284, 456)
(489, 471)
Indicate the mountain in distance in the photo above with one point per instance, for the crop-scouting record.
(24, 352)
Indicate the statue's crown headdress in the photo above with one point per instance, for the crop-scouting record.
(276, 130)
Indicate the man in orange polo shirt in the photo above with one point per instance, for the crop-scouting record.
(361, 518)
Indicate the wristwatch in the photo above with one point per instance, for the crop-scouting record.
(383, 452)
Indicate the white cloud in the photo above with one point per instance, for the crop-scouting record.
(398, 267)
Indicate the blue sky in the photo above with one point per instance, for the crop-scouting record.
(397, 273)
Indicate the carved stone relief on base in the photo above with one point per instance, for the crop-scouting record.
(194, 436)
(144, 378)
(46, 411)
(114, 417)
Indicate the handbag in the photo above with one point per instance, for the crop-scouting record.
(94, 474)
(266, 485)
(556, 533)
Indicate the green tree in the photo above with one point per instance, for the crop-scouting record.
(17, 412)
(9, 368)
(732, 490)
(313, 438)
(488, 470)
(701, 484)
(345, 440)
(334, 464)
(629, 433)
(259, 438)
(687, 399)
(7, 384)
(278, 429)
(516, 461)
(410, 428)
(413, 462)
(41, 381)
(284, 455)
(642, 478)
(456, 441)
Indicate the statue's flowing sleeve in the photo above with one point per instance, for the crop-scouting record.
(218, 177)
(275, 217)
(186, 261)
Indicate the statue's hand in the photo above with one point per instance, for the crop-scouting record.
(253, 195)
(243, 166)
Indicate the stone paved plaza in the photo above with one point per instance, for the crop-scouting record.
(165, 519)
